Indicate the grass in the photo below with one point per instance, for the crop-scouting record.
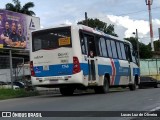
(9, 93)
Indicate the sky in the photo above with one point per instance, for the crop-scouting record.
(125, 15)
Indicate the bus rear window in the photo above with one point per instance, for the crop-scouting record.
(51, 39)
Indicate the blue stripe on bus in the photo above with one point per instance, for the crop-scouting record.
(57, 70)
(120, 71)
(54, 70)
(103, 69)
(136, 71)
(84, 68)
(117, 77)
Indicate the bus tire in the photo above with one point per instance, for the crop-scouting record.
(132, 87)
(103, 89)
(66, 91)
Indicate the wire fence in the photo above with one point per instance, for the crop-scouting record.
(150, 67)
(17, 72)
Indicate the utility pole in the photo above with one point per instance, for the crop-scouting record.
(159, 33)
(149, 3)
(159, 38)
(86, 19)
(136, 38)
(138, 47)
(11, 67)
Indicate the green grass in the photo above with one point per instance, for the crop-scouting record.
(9, 93)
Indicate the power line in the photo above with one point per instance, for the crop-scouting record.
(129, 13)
(136, 12)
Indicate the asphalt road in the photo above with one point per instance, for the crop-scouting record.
(121, 100)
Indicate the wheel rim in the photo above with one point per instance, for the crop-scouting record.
(105, 86)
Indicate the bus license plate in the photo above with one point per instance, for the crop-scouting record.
(53, 81)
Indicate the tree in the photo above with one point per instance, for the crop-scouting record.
(156, 45)
(100, 25)
(16, 7)
(133, 41)
(144, 50)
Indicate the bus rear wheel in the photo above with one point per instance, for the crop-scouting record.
(66, 91)
(104, 88)
(132, 87)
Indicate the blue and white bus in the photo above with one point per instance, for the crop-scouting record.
(79, 57)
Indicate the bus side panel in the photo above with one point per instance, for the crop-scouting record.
(124, 72)
(117, 69)
(135, 71)
(104, 66)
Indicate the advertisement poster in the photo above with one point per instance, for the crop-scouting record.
(15, 29)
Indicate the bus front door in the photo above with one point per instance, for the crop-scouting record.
(92, 68)
(92, 59)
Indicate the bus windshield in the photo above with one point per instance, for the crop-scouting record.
(51, 39)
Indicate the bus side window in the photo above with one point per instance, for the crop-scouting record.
(86, 45)
(103, 45)
(109, 48)
(114, 50)
(134, 57)
(119, 50)
(99, 46)
(83, 44)
(123, 51)
(89, 41)
(128, 53)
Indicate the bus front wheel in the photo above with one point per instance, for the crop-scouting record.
(66, 91)
(132, 87)
(104, 88)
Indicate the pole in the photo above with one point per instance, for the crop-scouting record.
(159, 39)
(86, 19)
(138, 47)
(11, 67)
(150, 24)
(159, 33)
(148, 68)
(23, 70)
(157, 66)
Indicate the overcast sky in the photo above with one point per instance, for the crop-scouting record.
(126, 15)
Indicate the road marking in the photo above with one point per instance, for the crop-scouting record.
(155, 109)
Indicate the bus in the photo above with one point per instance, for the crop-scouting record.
(72, 57)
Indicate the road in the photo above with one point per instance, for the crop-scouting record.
(115, 100)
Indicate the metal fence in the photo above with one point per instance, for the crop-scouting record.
(150, 67)
(17, 72)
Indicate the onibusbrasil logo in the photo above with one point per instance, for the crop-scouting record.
(21, 114)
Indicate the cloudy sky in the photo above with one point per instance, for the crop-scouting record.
(126, 15)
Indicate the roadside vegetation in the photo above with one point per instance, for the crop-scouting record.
(10, 93)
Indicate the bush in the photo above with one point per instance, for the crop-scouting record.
(10, 93)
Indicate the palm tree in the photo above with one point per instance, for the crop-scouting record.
(16, 7)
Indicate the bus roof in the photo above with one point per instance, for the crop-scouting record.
(96, 31)
(86, 28)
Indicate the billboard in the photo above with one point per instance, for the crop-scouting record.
(15, 29)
